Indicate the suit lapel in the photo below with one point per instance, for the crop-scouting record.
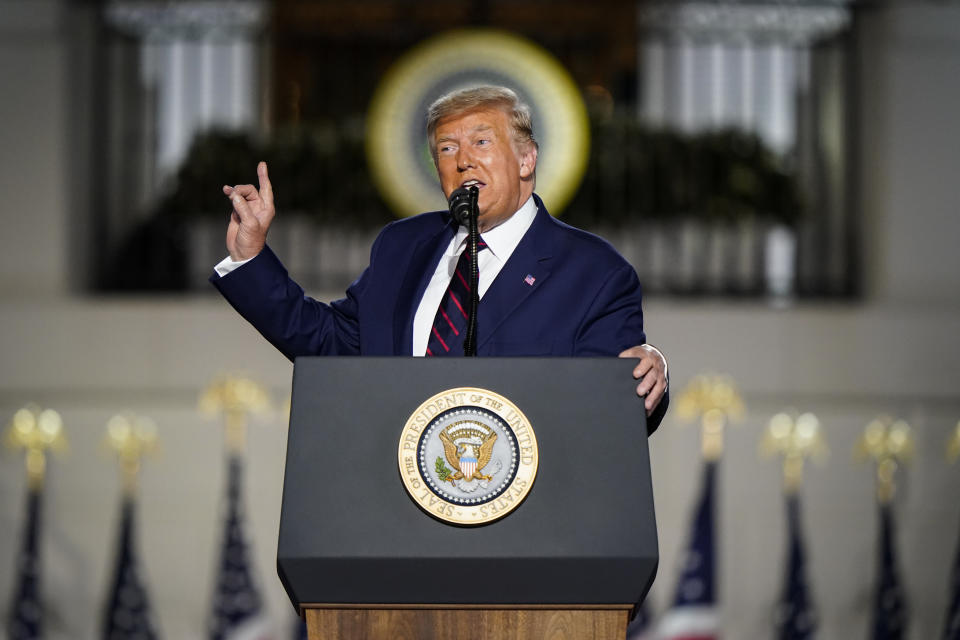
(526, 270)
(423, 262)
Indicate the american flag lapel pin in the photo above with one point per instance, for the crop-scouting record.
(530, 279)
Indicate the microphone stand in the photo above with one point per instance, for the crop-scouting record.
(470, 340)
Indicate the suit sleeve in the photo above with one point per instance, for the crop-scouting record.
(614, 319)
(264, 294)
(614, 322)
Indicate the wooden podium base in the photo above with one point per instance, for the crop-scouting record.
(426, 622)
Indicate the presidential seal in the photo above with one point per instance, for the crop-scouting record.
(468, 456)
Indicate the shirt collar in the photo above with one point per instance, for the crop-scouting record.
(503, 238)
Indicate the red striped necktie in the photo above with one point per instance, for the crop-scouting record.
(450, 323)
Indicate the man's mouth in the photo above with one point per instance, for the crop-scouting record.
(472, 183)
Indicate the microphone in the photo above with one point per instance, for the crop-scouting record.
(463, 204)
(463, 208)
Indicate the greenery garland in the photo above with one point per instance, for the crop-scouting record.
(634, 173)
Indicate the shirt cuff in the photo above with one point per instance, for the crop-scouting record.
(228, 264)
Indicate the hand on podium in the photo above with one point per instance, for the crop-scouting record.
(651, 370)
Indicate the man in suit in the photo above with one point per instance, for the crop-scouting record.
(545, 288)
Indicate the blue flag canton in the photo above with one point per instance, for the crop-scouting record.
(236, 598)
(796, 618)
(890, 606)
(127, 616)
(951, 626)
(25, 617)
(697, 580)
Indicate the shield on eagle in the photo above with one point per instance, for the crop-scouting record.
(468, 464)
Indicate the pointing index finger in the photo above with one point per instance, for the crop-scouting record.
(266, 189)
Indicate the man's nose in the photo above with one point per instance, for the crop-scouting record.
(464, 159)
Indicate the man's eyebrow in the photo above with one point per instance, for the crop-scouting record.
(477, 129)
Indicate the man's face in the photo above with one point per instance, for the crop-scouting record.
(477, 148)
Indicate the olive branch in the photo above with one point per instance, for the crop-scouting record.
(443, 471)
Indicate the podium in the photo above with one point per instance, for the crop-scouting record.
(365, 556)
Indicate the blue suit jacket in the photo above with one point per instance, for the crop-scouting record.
(563, 292)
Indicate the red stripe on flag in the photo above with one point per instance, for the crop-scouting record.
(444, 344)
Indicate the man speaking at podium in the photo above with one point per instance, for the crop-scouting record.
(546, 289)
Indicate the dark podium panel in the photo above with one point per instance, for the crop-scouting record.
(350, 533)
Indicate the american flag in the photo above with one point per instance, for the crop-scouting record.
(890, 607)
(951, 626)
(127, 613)
(796, 618)
(694, 612)
(238, 611)
(25, 618)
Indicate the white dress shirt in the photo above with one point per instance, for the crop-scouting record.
(228, 264)
(501, 242)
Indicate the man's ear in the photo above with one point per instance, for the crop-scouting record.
(528, 162)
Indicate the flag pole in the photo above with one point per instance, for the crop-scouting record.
(888, 443)
(714, 401)
(35, 431)
(951, 623)
(794, 438)
(126, 611)
(237, 607)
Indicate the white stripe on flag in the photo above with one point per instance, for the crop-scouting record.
(259, 627)
(689, 622)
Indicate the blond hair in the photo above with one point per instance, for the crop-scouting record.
(457, 102)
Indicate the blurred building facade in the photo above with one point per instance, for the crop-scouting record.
(892, 349)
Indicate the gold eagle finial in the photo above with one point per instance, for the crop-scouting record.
(953, 445)
(235, 397)
(795, 438)
(36, 430)
(715, 400)
(889, 444)
(130, 437)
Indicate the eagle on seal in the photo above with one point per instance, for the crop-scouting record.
(468, 458)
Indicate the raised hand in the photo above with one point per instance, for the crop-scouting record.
(251, 216)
